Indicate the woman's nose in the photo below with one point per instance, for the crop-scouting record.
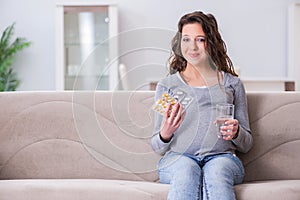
(194, 45)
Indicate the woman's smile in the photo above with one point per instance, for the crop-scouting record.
(194, 55)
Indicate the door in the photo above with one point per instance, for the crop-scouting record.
(294, 44)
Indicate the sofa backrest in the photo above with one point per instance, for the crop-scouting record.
(107, 135)
(77, 135)
(275, 124)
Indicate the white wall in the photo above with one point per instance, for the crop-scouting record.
(255, 32)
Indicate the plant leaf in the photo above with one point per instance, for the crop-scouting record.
(8, 78)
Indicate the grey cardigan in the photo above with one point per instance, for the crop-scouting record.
(197, 134)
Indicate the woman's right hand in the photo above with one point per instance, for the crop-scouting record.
(171, 121)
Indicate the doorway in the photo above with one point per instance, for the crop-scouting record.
(294, 43)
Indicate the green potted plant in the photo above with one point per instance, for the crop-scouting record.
(8, 78)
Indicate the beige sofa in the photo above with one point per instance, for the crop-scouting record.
(95, 145)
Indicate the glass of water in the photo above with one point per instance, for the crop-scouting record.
(224, 112)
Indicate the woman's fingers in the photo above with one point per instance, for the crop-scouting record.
(174, 110)
(172, 120)
(230, 129)
(173, 114)
(178, 117)
(168, 111)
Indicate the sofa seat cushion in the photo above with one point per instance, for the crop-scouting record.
(275, 190)
(77, 189)
(95, 189)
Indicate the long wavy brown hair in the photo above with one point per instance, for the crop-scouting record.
(215, 46)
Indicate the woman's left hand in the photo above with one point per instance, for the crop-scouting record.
(230, 130)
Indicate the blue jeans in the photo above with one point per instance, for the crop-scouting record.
(201, 178)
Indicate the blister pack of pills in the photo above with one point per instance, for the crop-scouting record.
(172, 98)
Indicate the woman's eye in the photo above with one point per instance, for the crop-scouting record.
(185, 39)
(200, 39)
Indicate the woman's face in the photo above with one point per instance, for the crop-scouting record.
(193, 44)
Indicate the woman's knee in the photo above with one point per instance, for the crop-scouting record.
(179, 167)
(224, 168)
